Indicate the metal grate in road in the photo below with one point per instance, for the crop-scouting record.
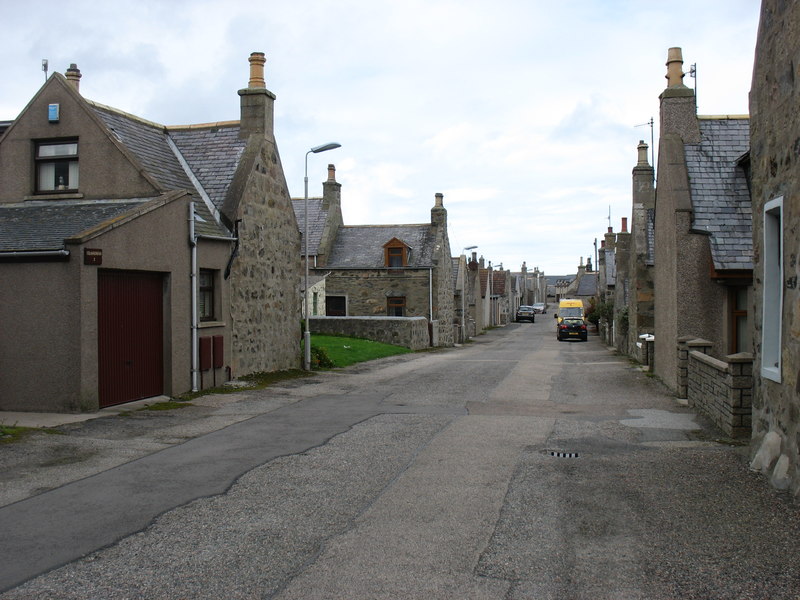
(557, 454)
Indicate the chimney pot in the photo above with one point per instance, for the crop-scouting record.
(331, 173)
(610, 230)
(624, 224)
(439, 201)
(73, 75)
(642, 149)
(675, 72)
(257, 62)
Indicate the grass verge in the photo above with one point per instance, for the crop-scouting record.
(345, 351)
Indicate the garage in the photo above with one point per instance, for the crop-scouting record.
(130, 318)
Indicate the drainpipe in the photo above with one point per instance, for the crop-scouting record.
(193, 280)
(430, 294)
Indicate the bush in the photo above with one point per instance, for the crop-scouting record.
(320, 358)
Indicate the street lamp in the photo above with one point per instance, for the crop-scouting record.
(307, 330)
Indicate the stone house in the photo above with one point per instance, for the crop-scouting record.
(774, 135)
(476, 311)
(639, 272)
(498, 295)
(702, 237)
(381, 270)
(136, 259)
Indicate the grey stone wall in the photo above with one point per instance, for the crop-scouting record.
(775, 161)
(265, 302)
(367, 290)
(398, 331)
(722, 390)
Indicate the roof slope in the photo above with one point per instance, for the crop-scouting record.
(213, 154)
(148, 142)
(317, 217)
(40, 226)
(361, 246)
(720, 195)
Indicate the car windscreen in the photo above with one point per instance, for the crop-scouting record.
(571, 311)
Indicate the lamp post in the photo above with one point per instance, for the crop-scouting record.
(307, 330)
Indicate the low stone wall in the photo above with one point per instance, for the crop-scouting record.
(722, 390)
(411, 332)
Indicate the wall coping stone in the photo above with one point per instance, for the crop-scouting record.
(699, 343)
(740, 357)
(709, 360)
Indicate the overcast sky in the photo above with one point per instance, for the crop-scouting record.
(525, 114)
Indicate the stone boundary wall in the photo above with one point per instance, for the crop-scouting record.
(722, 390)
(411, 332)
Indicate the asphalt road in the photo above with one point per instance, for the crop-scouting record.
(513, 467)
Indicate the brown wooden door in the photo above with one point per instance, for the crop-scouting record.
(130, 336)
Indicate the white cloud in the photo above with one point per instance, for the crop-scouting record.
(522, 112)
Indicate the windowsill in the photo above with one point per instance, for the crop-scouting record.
(209, 324)
(56, 196)
(771, 373)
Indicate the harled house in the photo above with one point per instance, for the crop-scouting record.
(774, 131)
(136, 259)
(381, 270)
(703, 246)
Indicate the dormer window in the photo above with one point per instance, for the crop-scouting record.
(57, 166)
(395, 254)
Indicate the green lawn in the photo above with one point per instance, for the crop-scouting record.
(344, 351)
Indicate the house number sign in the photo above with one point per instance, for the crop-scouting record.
(92, 256)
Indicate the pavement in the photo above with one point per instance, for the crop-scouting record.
(46, 420)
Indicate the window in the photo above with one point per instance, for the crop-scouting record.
(336, 306)
(772, 305)
(394, 257)
(205, 295)
(315, 304)
(395, 254)
(57, 166)
(396, 306)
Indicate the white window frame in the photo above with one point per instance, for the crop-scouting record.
(772, 301)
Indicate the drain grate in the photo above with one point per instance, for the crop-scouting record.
(557, 454)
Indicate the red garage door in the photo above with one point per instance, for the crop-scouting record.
(130, 336)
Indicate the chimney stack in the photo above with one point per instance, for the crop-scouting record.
(439, 212)
(332, 191)
(257, 102)
(73, 75)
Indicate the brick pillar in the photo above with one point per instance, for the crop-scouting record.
(740, 392)
(683, 366)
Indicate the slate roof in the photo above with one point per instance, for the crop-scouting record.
(720, 195)
(361, 246)
(587, 286)
(148, 142)
(454, 262)
(44, 225)
(213, 154)
(611, 266)
(317, 216)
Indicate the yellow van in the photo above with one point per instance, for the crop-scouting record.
(569, 307)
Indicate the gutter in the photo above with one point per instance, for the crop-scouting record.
(34, 253)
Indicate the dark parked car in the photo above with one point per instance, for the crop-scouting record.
(571, 328)
(526, 313)
(539, 308)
